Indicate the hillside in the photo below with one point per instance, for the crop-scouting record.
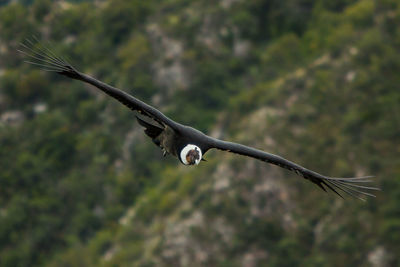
(313, 81)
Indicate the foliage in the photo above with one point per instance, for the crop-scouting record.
(315, 81)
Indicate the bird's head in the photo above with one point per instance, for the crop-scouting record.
(191, 155)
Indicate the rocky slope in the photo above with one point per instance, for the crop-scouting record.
(313, 81)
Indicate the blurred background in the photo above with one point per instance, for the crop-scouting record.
(314, 81)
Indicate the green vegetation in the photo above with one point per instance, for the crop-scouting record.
(314, 81)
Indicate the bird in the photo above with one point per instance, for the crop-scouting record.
(186, 143)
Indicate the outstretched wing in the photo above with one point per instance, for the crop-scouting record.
(42, 56)
(352, 186)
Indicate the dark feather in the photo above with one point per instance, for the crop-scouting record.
(349, 186)
(151, 130)
(42, 56)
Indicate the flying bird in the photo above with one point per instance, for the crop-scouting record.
(184, 142)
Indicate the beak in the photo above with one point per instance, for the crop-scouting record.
(203, 159)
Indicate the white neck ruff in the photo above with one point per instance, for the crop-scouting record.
(184, 152)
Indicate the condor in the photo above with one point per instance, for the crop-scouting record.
(186, 143)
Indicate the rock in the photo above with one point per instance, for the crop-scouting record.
(40, 108)
(378, 257)
(169, 69)
(12, 117)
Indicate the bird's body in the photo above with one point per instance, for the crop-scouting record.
(184, 142)
(168, 141)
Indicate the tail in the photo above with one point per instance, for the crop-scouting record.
(40, 55)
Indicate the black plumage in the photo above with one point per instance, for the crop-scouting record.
(184, 142)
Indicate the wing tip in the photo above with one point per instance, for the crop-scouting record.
(40, 55)
(351, 186)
